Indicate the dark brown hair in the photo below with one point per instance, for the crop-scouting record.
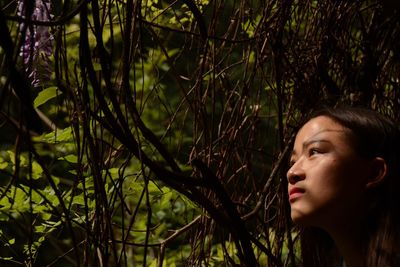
(374, 136)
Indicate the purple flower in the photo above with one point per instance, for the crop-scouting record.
(37, 47)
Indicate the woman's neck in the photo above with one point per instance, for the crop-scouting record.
(349, 241)
(352, 253)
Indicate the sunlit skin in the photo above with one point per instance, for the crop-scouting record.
(328, 183)
(327, 176)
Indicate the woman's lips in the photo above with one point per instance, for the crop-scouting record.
(294, 193)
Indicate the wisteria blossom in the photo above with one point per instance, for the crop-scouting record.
(38, 44)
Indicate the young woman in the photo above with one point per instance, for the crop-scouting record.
(344, 189)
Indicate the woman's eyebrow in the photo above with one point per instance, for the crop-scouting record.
(316, 140)
(308, 143)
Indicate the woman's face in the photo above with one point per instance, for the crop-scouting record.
(327, 177)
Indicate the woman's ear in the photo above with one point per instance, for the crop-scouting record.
(379, 171)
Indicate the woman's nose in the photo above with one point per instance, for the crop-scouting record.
(295, 173)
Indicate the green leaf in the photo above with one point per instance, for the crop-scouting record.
(36, 170)
(79, 200)
(40, 229)
(45, 216)
(7, 258)
(46, 95)
(3, 165)
(97, 66)
(70, 158)
(63, 135)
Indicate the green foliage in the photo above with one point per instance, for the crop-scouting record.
(45, 96)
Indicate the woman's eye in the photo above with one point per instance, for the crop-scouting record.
(314, 151)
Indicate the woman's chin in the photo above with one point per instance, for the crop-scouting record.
(301, 218)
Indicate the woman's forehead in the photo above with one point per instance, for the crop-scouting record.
(322, 123)
(319, 127)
